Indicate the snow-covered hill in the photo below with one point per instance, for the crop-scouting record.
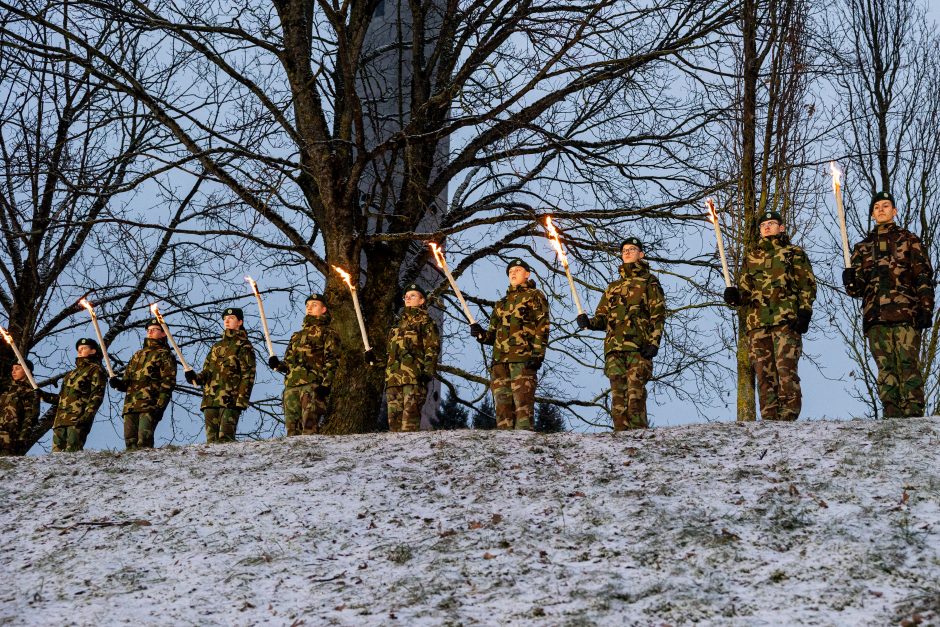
(806, 523)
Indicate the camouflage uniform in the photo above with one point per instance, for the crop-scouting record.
(894, 279)
(518, 333)
(148, 382)
(309, 364)
(19, 412)
(227, 377)
(777, 290)
(632, 311)
(81, 396)
(413, 348)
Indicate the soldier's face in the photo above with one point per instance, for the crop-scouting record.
(85, 351)
(155, 333)
(518, 275)
(315, 308)
(413, 299)
(884, 212)
(631, 254)
(231, 323)
(18, 373)
(769, 228)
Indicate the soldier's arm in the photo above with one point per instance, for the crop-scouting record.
(432, 348)
(745, 284)
(30, 419)
(541, 322)
(923, 275)
(805, 280)
(331, 350)
(246, 357)
(656, 301)
(490, 337)
(49, 397)
(167, 379)
(856, 289)
(98, 383)
(283, 367)
(599, 321)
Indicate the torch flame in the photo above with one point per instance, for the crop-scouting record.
(6, 336)
(438, 255)
(347, 278)
(712, 212)
(555, 240)
(836, 175)
(252, 283)
(84, 303)
(154, 309)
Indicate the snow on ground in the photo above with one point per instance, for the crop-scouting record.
(824, 523)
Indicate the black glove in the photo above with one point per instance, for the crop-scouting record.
(192, 377)
(369, 356)
(732, 296)
(923, 319)
(648, 351)
(158, 414)
(423, 380)
(228, 401)
(534, 364)
(802, 321)
(273, 362)
(477, 331)
(848, 277)
(583, 321)
(118, 383)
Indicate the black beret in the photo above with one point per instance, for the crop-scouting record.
(885, 195)
(770, 215)
(413, 287)
(153, 322)
(234, 311)
(29, 364)
(318, 297)
(87, 341)
(518, 263)
(631, 241)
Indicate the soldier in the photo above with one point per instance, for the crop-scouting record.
(892, 275)
(19, 412)
(518, 333)
(776, 288)
(148, 383)
(227, 377)
(632, 311)
(414, 344)
(82, 393)
(309, 363)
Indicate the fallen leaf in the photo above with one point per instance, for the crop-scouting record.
(488, 556)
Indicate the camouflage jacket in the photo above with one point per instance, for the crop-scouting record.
(19, 412)
(519, 325)
(82, 393)
(150, 377)
(632, 310)
(229, 372)
(312, 354)
(413, 347)
(776, 283)
(893, 276)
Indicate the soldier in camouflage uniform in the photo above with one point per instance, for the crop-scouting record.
(227, 377)
(309, 365)
(518, 333)
(19, 412)
(891, 273)
(82, 393)
(632, 311)
(776, 288)
(414, 344)
(148, 383)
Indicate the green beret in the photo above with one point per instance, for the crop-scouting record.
(768, 216)
(518, 263)
(234, 311)
(886, 195)
(632, 241)
(87, 341)
(413, 287)
(317, 297)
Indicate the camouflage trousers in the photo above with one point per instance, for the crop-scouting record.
(775, 354)
(221, 424)
(7, 444)
(404, 406)
(629, 372)
(513, 388)
(139, 428)
(69, 439)
(304, 407)
(900, 383)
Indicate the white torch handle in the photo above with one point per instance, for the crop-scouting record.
(264, 323)
(104, 350)
(176, 349)
(721, 253)
(362, 324)
(846, 255)
(574, 292)
(453, 284)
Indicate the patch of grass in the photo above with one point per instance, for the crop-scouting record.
(400, 554)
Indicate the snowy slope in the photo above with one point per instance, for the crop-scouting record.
(807, 523)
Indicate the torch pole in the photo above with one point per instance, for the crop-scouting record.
(453, 284)
(846, 255)
(169, 337)
(362, 324)
(264, 318)
(104, 350)
(721, 243)
(574, 292)
(19, 358)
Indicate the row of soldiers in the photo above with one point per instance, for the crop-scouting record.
(775, 290)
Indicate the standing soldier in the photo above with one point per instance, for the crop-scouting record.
(518, 333)
(148, 382)
(776, 288)
(632, 311)
(413, 348)
(892, 275)
(19, 412)
(227, 377)
(82, 393)
(309, 363)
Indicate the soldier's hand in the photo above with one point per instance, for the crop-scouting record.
(424, 379)
(273, 362)
(118, 383)
(192, 378)
(648, 351)
(923, 319)
(583, 321)
(802, 321)
(848, 277)
(732, 296)
(477, 331)
(228, 402)
(369, 356)
(534, 364)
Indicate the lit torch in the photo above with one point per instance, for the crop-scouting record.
(94, 321)
(556, 244)
(19, 357)
(347, 279)
(442, 264)
(264, 319)
(713, 215)
(837, 190)
(155, 310)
